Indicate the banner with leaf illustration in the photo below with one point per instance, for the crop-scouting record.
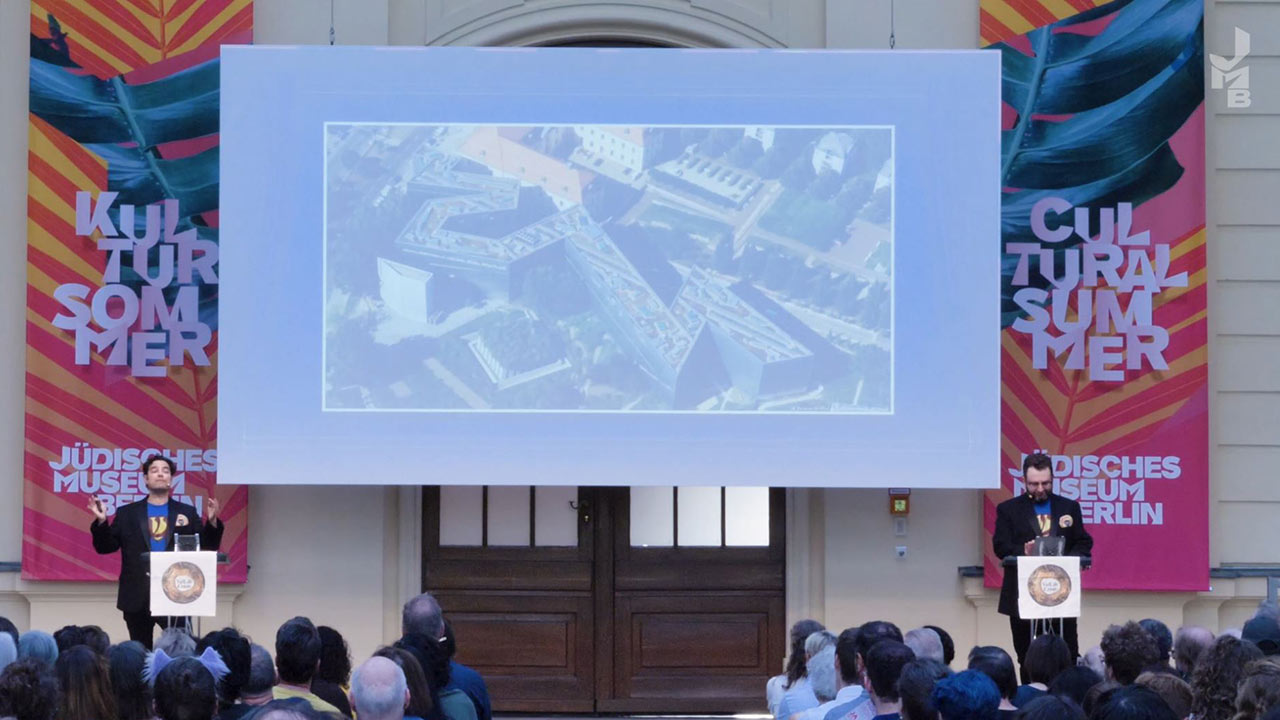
(122, 268)
(1104, 362)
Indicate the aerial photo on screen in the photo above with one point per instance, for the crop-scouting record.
(608, 268)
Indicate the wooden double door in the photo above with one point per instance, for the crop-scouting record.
(612, 600)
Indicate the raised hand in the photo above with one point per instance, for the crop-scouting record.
(96, 507)
(212, 506)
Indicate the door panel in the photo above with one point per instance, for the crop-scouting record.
(606, 626)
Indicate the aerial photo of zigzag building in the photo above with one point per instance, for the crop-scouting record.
(488, 209)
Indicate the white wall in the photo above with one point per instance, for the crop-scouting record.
(348, 556)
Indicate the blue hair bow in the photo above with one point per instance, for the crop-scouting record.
(210, 659)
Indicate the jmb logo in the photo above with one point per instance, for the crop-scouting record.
(1225, 73)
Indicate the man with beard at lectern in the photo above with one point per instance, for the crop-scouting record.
(148, 526)
(1019, 521)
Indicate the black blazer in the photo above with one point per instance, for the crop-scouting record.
(1016, 524)
(132, 537)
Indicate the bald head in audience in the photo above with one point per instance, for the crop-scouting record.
(925, 643)
(1190, 641)
(379, 690)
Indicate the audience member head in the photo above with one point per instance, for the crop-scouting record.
(1051, 707)
(948, 645)
(1074, 683)
(1218, 672)
(8, 650)
(1263, 631)
(1259, 691)
(1092, 659)
(86, 685)
(335, 657)
(1160, 633)
(126, 664)
(38, 645)
(379, 690)
(176, 642)
(925, 643)
(186, 690)
(1187, 646)
(67, 637)
(29, 691)
(422, 697)
(430, 654)
(1128, 650)
(1095, 694)
(1047, 656)
(297, 651)
(449, 641)
(233, 648)
(1132, 702)
(422, 615)
(1175, 691)
(847, 657)
(7, 627)
(996, 664)
(286, 709)
(968, 695)
(870, 634)
(915, 688)
(262, 677)
(796, 659)
(821, 671)
(96, 638)
(817, 642)
(884, 663)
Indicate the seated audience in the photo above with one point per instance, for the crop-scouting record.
(453, 702)
(915, 686)
(1051, 707)
(925, 643)
(1190, 641)
(233, 648)
(883, 666)
(1127, 650)
(335, 666)
(1132, 702)
(997, 664)
(67, 637)
(1264, 631)
(185, 690)
(29, 691)
(176, 642)
(379, 690)
(86, 685)
(1092, 659)
(1259, 690)
(256, 690)
(422, 699)
(8, 628)
(96, 638)
(948, 645)
(1095, 695)
(1175, 691)
(967, 695)
(1217, 676)
(850, 701)
(422, 615)
(8, 650)
(1047, 656)
(38, 645)
(820, 668)
(1074, 682)
(794, 680)
(297, 657)
(126, 665)
(1164, 639)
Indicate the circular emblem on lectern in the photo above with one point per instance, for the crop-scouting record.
(183, 582)
(1049, 585)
